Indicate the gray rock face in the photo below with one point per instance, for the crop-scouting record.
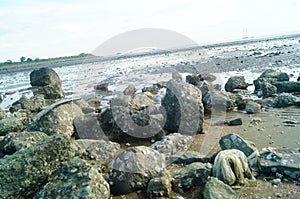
(134, 168)
(10, 124)
(268, 89)
(217, 102)
(184, 109)
(103, 151)
(160, 186)
(58, 120)
(216, 189)
(24, 172)
(49, 82)
(231, 166)
(283, 161)
(173, 145)
(191, 175)
(235, 82)
(287, 87)
(83, 181)
(253, 107)
(233, 141)
(13, 142)
(129, 90)
(284, 100)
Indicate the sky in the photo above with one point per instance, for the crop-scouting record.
(52, 28)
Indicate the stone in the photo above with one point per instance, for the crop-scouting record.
(58, 120)
(75, 179)
(160, 186)
(208, 77)
(151, 89)
(129, 90)
(43, 77)
(287, 87)
(173, 145)
(235, 82)
(189, 176)
(53, 92)
(268, 89)
(13, 142)
(216, 189)
(88, 127)
(2, 114)
(272, 74)
(34, 104)
(235, 122)
(253, 107)
(217, 102)
(10, 124)
(102, 87)
(190, 157)
(183, 107)
(103, 151)
(284, 100)
(193, 79)
(24, 172)
(234, 141)
(133, 169)
(298, 79)
(141, 101)
(282, 161)
(85, 106)
(231, 166)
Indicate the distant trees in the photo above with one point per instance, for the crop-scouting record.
(22, 59)
(29, 60)
(8, 62)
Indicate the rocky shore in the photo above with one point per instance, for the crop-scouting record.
(142, 147)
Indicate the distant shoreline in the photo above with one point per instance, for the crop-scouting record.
(77, 60)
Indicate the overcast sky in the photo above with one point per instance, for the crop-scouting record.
(51, 28)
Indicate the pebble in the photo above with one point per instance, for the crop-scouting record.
(276, 181)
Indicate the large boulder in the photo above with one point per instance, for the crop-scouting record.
(186, 178)
(183, 107)
(134, 168)
(218, 102)
(216, 189)
(272, 74)
(75, 179)
(10, 124)
(26, 171)
(234, 141)
(48, 83)
(253, 107)
(284, 100)
(268, 89)
(160, 186)
(287, 87)
(235, 82)
(13, 142)
(58, 120)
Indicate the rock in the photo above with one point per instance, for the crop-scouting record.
(34, 104)
(151, 89)
(267, 102)
(234, 141)
(2, 114)
(235, 122)
(235, 82)
(184, 109)
(191, 175)
(59, 120)
(217, 102)
(141, 101)
(284, 100)
(103, 151)
(85, 106)
(272, 74)
(88, 127)
(173, 145)
(13, 142)
(23, 173)
(160, 186)
(287, 87)
(216, 189)
(231, 166)
(276, 181)
(241, 103)
(75, 179)
(252, 107)
(208, 77)
(43, 77)
(10, 124)
(49, 81)
(193, 79)
(268, 89)
(134, 168)
(282, 161)
(190, 157)
(298, 79)
(102, 87)
(129, 90)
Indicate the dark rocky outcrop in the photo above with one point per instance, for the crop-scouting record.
(235, 82)
(268, 89)
(287, 87)
(284, 100)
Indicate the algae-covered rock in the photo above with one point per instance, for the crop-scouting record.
(26, 171)
(10, 124)
(75, 179)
